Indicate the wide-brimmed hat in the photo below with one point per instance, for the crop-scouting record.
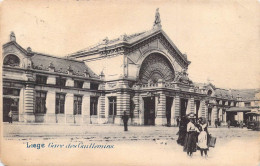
(191, 116)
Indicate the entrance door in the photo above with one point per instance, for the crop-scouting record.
(184, 103)
(10, 104)
(168, 109)
(149, 110)
(6, 108)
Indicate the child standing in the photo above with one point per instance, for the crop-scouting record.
(202, 141)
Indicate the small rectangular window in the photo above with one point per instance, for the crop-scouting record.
(60, 102)
(40, 104)
(93, 86)
(78, 84)
(247, 104)
(61, 82)
(93, 105)
(112, 105)
(40, 79)
(77, 105)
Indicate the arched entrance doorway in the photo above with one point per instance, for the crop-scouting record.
(154, 67)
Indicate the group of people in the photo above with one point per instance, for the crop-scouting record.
(193, 135)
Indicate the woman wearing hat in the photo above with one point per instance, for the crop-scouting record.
(191, 137)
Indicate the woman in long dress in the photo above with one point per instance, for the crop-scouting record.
(191, 137)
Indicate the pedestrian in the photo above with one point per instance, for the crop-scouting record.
(203, 141)
(10, 116)
(216, 123)
(241, 124)
(190, 140)
(125, 120)
(178, 121)
(182, 130)
(228, 123)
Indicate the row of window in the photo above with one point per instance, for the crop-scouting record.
(77, 104)
(40, 79)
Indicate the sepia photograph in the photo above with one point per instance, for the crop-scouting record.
(130, 83)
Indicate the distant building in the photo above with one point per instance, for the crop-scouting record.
(143, 74)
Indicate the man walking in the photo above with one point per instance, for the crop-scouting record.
(125, 120)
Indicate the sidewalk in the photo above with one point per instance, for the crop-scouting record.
(111, 132)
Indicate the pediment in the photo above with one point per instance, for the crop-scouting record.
(14, 48)
(155, 41)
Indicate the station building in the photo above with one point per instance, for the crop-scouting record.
(143, 74)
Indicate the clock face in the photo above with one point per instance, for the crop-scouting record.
(155, 67)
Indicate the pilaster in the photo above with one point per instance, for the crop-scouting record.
(69, 103)
(101, 110)
(86, 109)
(123, 105)
(50, 107)
(29, 104)
(136, 109)
(161, 110)
(214, 115)
(203, 111)
(190, 107)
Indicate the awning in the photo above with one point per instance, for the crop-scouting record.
(239, 109)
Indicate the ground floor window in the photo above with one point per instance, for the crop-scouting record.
(112, 105)
(93, 105)
(77, 105)
(40, 104)
(60, 102)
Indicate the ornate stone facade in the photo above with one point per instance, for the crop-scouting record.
(144, 75)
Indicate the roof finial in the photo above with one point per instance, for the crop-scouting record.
(12, 36)
(157, 21)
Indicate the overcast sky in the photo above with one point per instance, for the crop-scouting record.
(220, 38)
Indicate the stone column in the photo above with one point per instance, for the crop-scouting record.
(21, 105)
(141, 110)
(136, 109)
(86, 109)
(123, 105)
(203, 111)
(176, 106)
(173, 117)
(225, 117)
(190, 106)
(29, 104)
(161, 110)
(220, 114)
(50, 106)
(101, 110)
(214, 115)
(199, 109)
(69, 104)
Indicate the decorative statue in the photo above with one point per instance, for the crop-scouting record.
(182, 77)
(157, 21)
(12, 37)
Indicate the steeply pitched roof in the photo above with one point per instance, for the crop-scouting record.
(42, 62)
(61, 64)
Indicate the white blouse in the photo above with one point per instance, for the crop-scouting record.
(192, 127)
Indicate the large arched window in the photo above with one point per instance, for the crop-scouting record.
(155, 67)
(12, 60)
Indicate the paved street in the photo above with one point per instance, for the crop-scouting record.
(234, 146)
(112, 132)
